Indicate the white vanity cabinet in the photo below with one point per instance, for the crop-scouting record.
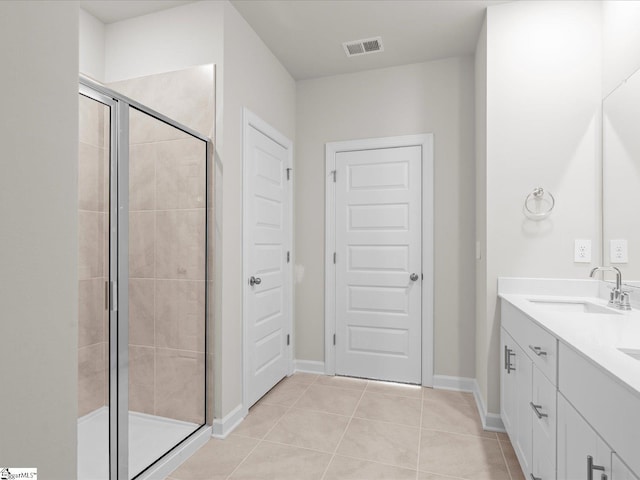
(619, 471)
(528, 395)
(577, 443)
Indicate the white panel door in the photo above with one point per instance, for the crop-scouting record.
(378, 248)
(268, 287)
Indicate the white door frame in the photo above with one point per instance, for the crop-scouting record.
(250, 119)
(425, 141)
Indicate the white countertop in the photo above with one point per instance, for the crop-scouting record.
(595, 336)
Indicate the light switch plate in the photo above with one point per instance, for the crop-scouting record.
(582, 251)
(618, 252)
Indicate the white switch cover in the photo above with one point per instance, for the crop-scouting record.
(618, 252)
(582, 251)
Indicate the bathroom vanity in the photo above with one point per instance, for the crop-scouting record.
(570, 380)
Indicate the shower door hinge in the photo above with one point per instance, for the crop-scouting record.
(288, 173)
(333, 172)
(334, 257)
(288, 257)
(334, 339)
(288, 339)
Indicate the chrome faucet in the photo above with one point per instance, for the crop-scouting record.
(617, 298)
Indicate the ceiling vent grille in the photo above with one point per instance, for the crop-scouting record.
(363, 47)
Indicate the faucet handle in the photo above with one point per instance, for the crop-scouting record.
(625, 301)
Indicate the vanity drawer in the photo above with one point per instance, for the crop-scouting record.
(536, 342)
(542, 347)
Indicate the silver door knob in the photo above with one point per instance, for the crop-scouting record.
(414, 277)
(255, 281)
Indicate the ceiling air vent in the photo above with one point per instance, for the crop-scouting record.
(362, 47)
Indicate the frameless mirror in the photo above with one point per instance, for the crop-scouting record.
(621, 179)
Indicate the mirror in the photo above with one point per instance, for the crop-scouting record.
(621, 179)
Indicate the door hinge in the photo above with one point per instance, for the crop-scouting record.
(333, 172)
(288, 257)
(289, 173)
(334, 338)
(288, 339)
(334, 257)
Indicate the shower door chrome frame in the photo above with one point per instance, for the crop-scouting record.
(120, 107)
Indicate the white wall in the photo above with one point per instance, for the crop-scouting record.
(543, 129)
(92, 46)
(255, 79)
(432, 97)
(38, 244)
(621, 41)
(200, 33)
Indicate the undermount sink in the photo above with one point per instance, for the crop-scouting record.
(572, 306)
(635, 354)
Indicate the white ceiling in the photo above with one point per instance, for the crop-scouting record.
(110, 11)
(307, 36)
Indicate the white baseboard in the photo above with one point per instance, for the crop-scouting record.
(490, 421)
(310, 366)
(177, 457)
(222, 427)
(460, 384)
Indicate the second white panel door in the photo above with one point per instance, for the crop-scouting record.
(378, 264)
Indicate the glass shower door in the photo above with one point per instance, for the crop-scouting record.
(166, 287)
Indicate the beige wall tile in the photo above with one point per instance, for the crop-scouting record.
(91, 126)
(142, 244)
(181, 244)
(142, 311)
(91, 245)
(91, 374)
(180, 314)
(181, 181)
(141, 379)
(91, 178)
(91, 309)
(144, 128)
(142, 176)
(180, 385)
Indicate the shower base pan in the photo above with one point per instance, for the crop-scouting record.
(150, 436)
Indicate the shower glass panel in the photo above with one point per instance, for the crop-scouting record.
(93, 272)
(142, 198)
(167, 245)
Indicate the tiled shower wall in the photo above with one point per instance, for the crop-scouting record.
(93, 194)
(166, 271)
(167, 231)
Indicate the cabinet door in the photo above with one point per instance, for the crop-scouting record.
(620, 471)
(576, 441)
(507, 385)
(524, 414)
(543, 455)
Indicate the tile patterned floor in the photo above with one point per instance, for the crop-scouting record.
(326, 428)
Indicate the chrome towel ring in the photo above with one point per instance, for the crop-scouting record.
(537, 197)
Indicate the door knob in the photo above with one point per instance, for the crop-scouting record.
(255, 281)
(414, 277)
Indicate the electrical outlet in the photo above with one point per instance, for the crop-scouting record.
(582, 251)
(618, 252)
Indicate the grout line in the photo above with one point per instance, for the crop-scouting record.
(345, 431)
(261, 440)
(504, 459)
(420, 435)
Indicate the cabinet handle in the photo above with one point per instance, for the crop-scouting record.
(506, 357)
(535, 409)
(591, 467)
(538, 351)
(534, 478)
(510, 353)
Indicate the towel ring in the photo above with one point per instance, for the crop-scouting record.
(537, 195)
